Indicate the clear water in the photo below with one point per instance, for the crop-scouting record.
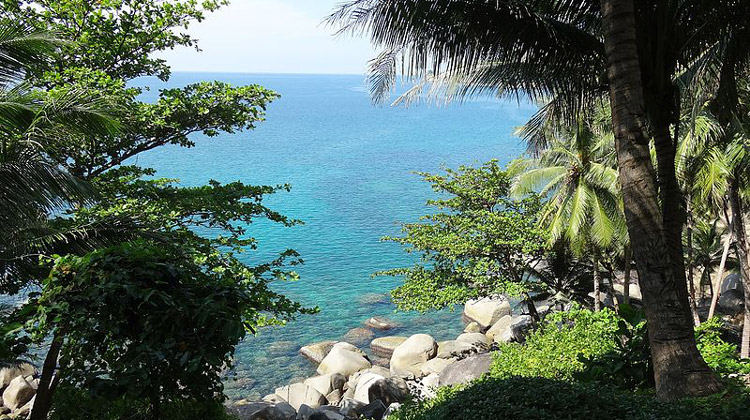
(351, 168)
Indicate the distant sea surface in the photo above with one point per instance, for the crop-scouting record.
(351, 166)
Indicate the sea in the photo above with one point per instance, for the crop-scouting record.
(351, 165)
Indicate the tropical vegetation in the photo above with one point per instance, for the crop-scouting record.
(637, 164)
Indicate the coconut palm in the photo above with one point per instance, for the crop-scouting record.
(570, 53)
(31, 188)
(576, 176)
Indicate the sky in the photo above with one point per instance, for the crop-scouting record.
(272, 36)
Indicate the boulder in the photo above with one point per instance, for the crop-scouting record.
(359, 336)
(520, 327)
(732, 302)
(380, 323)
(299, 393)
(374, 410)
(732, 281)
(304, 412)
(472, 327)
(316, 352)
(343, 360)
(349, 346)
(24, 411)
(428, 386)
(9, 373)
(486, 311)
(334, 397)
(408, 357)
(478, 339)
(326, 415)
(633, 290)
(389, 390)
(363, 386)
(453, 348)
(436, 365)
(350, 407)
(384, 346)
(17, 393)
(466, 370)
(273, 399)
(325, 384)
(384, 372)
(505, 337)
(263, 411)
(502, 325)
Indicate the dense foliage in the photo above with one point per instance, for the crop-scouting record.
(145, 321)
(76, 404)
(481, 243)
(529, 398)
(557, 348)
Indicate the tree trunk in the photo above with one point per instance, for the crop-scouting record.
(47, 382)
(626, 275)
(597, 282)
(743, 254)
(690, 268)
(679, 369)
(716, 286)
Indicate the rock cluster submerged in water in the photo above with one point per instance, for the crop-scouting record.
(350, 386)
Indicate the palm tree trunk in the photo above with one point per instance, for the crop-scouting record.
(690, 268)
(597, 282)
(47, 382)
(626, 275)
(743, 254)
(679, 369)
(716, 286)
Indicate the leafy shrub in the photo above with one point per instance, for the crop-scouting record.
(75, 404)
(544, 399)
(557, 349)
(628, 365)
(723, 357)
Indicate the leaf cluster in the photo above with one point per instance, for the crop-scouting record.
(480, 243)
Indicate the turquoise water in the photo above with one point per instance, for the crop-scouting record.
(351, 168)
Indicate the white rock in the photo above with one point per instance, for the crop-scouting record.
(325, 384)
(502, 325)
(9, 373)
(317, 351)
(363, 386)
(487, 311)
(384, 346)
(505, 337)
(18, 393)
(474, 338)
(344, 361)
(451, 348)
(299, 393)
(24, 411)
(436, 365)
(473, 327)
(407, 358)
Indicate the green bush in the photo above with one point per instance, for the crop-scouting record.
(545, 399)
(557, 348)
(75, 404)
(723, 357)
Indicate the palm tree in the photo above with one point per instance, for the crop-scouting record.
(582, 193)
(31, 188)
(561, 50)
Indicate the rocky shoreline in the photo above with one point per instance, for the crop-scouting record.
(350, 384)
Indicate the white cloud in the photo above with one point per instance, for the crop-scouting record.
(272, 36)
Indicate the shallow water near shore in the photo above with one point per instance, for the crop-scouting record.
(351, 168)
